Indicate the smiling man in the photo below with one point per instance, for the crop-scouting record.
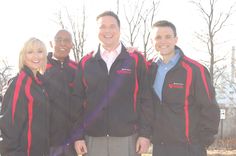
(111, 88)
(59, 78)
(186, 111)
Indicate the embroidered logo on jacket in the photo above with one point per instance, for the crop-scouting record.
(176, 85)
(124, 71)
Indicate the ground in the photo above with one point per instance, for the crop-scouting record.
(221, 147)
(221, 153)
(213, 153)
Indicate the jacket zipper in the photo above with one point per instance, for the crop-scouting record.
(62, 64)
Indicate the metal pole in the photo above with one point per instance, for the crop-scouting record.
(232, 65)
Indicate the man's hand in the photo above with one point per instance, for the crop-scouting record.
(80, 147)
(142, 145)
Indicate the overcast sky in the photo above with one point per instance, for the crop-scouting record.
(21, 19)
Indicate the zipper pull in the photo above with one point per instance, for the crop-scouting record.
(62, 64)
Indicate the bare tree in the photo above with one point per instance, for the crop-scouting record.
(228, 85)
(133, 20)
(78, 32)
(118, 6)
(215, 20)
(148, 17)
(139, 19)
(76, 24)
(226, 89)
(5, 75)
(59, 19)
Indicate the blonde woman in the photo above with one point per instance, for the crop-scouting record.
(24, 124)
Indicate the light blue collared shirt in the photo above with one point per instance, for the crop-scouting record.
(162, 71)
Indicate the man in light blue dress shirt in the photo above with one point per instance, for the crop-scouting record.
(163, 68)
(186, 112)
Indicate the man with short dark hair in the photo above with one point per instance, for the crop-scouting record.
(111, 87)
(186, 114)
(59, 77)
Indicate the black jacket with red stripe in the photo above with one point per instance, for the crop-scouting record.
(188, 112)
(59, 78)
(117, 103)
(24, 117)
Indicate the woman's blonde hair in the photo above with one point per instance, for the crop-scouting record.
(33, 44)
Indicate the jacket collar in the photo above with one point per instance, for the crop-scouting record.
(155, 59)
(51, 59)
(123, 54)
(181, 53)
(28, 72)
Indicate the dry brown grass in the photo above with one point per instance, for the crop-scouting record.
(221, 153)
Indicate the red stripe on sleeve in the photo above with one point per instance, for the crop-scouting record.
(48, 66)
(72, 65)
(84, 60)
(16, 94)
(186, 102)
(30, 114)
(201, 68)
(135, 57)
